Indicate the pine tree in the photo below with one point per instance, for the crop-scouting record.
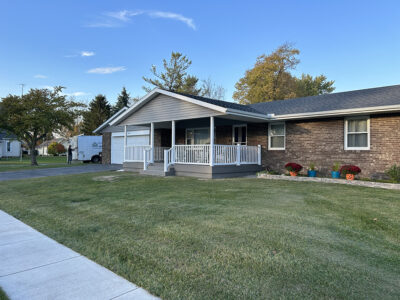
(122, 101)
(99, 111)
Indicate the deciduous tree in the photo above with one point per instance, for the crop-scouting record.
(35, 115)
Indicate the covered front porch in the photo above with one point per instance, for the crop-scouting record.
(207, 146)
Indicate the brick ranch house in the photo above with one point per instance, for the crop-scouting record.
(170, 133)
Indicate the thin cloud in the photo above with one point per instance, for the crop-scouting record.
(168, 15)
(40, 76)
(106, 70)
(78, 94)
(87, 53)
(119, 18)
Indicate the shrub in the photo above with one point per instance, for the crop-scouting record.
(311, 167)
(350, 169)
(335, 167)
(394, 173)
(55, 148)
(293, 167)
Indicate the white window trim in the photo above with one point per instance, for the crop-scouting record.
(194, 128)
(233, 132)
(368, 132)
(270, 136)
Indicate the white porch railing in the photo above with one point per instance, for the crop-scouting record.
(222, 155)
(135, 153)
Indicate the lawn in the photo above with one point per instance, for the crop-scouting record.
(15, 164)
(186, 238)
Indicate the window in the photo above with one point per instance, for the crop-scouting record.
(8, 144)
(276, 136)
(197, 136)
(356, 135)
(239, 135)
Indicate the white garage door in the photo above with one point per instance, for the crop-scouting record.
(138, 138)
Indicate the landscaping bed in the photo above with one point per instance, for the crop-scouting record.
(246, 238)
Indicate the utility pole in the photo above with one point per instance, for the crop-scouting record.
(22, 88)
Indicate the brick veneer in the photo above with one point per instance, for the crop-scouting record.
(322, 142)
(106, 151)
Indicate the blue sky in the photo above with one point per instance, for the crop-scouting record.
(73, 43)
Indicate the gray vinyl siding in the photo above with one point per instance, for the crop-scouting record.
(166, 108)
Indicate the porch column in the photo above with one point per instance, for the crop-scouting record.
(125, 142)
(173, 142)
(212, 141)
(152, 142)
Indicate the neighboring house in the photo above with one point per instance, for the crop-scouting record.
(42, 148)
(212, 138)
(9, 145)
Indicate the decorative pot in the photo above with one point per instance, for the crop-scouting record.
(335, 174)
(312, 173)
(350, 176)
(292, 173)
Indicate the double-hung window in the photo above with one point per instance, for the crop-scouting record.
(356, 133)
(8, 144)
(276, 136)
(239, 135)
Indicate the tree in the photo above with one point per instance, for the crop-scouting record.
(175, 77)
(271, 79)
(122, 101)
(99, 111)
(211, 90)
(37, 114)
(55, 148)
(309, 86)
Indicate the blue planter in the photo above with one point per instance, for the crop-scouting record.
(312, 173)
(335, 174)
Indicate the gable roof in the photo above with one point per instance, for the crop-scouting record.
(107, 122)
(6, 135)
(358, 99)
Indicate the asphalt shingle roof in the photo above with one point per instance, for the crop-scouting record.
(222, 103)
(6, 135)
(380, 96)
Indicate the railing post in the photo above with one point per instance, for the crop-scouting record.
(212, 141)
(259, 155)
(144, 160)
(152, 141)
(238, 154)
(166, 161)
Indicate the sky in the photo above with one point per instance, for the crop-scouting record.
(93, 47)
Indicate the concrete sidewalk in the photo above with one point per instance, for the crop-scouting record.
(33, 266)
(45, 172)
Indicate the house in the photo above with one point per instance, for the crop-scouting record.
(9, 145)
(196, 136)
(42, 148)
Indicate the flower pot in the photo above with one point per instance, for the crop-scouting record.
(335, 174)
(312, 173)
(293, 173)
(350, 176)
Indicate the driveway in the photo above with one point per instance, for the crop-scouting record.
(33, 266)
(13, 175)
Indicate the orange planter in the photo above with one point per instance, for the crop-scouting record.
(293, 173)
(350, 176)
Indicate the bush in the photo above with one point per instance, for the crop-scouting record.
(55, 148)
(293, 167)
(350, 169)
(394, 173)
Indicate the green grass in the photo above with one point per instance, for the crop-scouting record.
(3, 295)
(15, 164)
(185, 238)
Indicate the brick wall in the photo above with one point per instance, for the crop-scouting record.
(322, 142)
(106, 145)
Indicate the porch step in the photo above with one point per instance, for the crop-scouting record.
(157, 169)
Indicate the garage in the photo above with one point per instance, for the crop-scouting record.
(139, 137)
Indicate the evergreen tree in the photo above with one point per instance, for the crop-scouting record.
(122, 101)
(99, 111)
(175, 77)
